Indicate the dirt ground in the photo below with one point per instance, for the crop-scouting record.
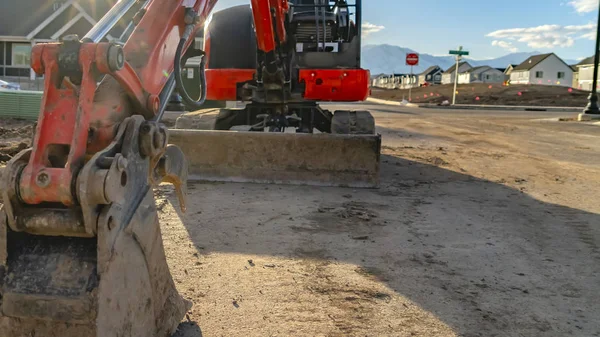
(485, 225)
(491, 94)
(15, 135)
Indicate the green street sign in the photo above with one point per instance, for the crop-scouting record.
(459, 52)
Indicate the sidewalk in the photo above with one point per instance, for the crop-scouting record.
(397, 103)
(476, 106)
(504, 107)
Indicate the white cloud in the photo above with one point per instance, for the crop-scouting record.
(505, 44)
(369, 28)
(584, 6)
(590, 36)
(547, 36)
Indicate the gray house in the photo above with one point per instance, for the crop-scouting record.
(431, 75)
(24, 23)
(450, 74)
(482, 74)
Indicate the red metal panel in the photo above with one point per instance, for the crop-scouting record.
(83, 118)
(64, 120)
(222, 83)
(280, 7)
(342, 85)
(263, 24)
(151, 47)
(264, 21)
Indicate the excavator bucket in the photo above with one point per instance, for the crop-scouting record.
(98, 269)
(63, 287)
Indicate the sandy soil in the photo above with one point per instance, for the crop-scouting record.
(485, 225)
(492, 94)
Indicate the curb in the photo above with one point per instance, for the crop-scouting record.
(386, 102)
(477, 107)
(502, 107)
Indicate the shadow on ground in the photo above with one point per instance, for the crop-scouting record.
(484, 258)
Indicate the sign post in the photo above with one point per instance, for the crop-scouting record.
(459, 54)
(412, 59)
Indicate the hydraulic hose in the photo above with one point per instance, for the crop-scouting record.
(189, 102)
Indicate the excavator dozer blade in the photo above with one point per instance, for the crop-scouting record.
(282, 158)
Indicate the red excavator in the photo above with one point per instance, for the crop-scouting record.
(81, 251)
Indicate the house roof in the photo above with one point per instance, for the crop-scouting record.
(574, 67)
(451, 69)
(535, 60)
(478, 69)
(586, 61)
(431, 70)
(21, 18)
(501, 69)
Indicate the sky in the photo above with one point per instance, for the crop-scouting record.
(486, 28)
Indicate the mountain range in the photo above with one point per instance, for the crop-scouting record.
(388, 59)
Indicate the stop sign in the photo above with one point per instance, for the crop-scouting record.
(412, 59)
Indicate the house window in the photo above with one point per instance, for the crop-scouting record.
(487, 77)
(21, 54)
(561, 74)
(539, 74)
(428, 77)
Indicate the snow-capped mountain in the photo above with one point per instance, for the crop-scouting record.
(388, 59)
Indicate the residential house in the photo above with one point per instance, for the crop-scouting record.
(509, 69)
(377, 80)
(409, 81)
(25, 23)
(395, 81)
(431, 75)
(504, 76)
(543, 69)
(481, 74)
(585, 74)
(386, 81)
(449, 75)
(575, 76)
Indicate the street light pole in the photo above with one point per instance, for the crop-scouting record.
(592, 107)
